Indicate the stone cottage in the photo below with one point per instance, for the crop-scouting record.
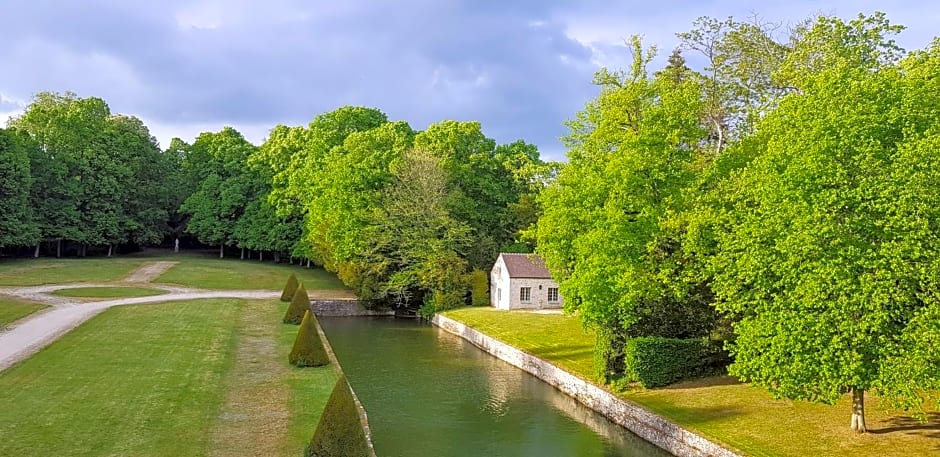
(521, 281)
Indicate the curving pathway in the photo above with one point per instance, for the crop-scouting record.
(27, 336)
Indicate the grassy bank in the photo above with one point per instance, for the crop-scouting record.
(213, 273)
(183, 378)
(33, 272)
(12, 310)
(738, 415)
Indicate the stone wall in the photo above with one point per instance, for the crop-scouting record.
(363, 418)
(645, 424)
(343, 308)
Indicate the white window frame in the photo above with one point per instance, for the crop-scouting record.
(525, 294)
(555, 298)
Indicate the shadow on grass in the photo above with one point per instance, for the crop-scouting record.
(566, 352)
(902, 424)
(711, 381)
(702, 415)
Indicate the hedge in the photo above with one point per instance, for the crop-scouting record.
(290, 288)
(299, 305)
(656, 361)
(479, 288)
(339, 433)
(308, 350)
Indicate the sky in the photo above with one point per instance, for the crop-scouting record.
(521, 68)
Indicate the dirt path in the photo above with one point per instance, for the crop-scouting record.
(26, 337)
(255, 414)
(149, 271)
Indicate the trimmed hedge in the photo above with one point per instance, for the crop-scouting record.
(339, 433)
(308, 350)
(290, 288)
(655, 361)
(479, 288)
(299, 304)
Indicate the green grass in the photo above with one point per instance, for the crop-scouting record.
(209, 273)
(741, 416)
(108, 292)
(136, 380)
(33, 272)
(310, 389)
(12, 310)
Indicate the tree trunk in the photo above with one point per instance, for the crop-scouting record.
(36, 252)
(222, 251)
(261, 256)
(291, 261)
(243, 254)
(858, 410)
(308, 263)
(110, 246)
(58, 248)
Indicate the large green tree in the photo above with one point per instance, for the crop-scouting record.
(828, 258)
(219, 163)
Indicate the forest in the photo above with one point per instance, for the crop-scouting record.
(780, 202)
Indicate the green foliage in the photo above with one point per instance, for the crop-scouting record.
(339, 433)
(656, 361)
(609, 352)
(290, 288)
(299, 305)
(308, 350)
(479, 288)
(17, 227)
(827, 247)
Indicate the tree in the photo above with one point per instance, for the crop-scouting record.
(828, 256)
(17, 227)
(612, 226)
(219, 162)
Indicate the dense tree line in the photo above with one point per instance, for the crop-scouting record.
(782, 200)
(403, 216)
(74, 172)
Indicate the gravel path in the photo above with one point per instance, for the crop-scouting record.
(149, 271)
(25, 337)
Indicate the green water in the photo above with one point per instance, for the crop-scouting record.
(429, 393)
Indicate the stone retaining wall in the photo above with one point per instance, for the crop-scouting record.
(343, 308)
(363, 418)
(649, 426)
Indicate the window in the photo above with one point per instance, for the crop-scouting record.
(553, 295)
(525, 294)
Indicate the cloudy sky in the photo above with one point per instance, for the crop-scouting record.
(519, 67)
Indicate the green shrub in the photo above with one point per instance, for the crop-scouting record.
(290, 288)
(608, 352)
(479, 288)
(299, 304)
(308, 350)
(655, 361)
(339, 433)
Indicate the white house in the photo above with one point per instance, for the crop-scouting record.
(521, 281)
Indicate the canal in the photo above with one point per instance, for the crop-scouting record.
(430, 393)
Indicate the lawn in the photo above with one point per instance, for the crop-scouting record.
(157, 380)
(741, 416)
(33, 272)
(108, 292)
(213, 273)
(12, 310)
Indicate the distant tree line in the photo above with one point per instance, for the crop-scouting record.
(402, 216)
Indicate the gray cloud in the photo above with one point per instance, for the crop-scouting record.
(520, 68)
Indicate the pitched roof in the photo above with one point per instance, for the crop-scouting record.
(525, 266)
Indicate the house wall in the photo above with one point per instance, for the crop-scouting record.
(538, 298)
(499, 285)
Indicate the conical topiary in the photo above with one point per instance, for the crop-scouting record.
(308, 348)
(299, 303)
(339, 433)
(290, 288)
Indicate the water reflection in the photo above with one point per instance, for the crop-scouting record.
(429, 393)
